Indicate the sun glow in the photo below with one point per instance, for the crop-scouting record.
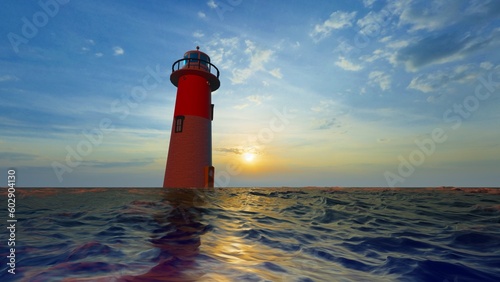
(248, 157)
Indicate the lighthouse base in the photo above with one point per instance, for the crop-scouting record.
(189, 161)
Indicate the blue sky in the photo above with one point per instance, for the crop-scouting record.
(339, 93)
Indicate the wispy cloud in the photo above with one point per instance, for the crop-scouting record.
(432, 16)
(230, 150)
(118, 51)
(241, 106)
(8, 77)
(375, 23)
(438, 15)
(201, 15)
(276, 73)
(257, 99)
(118, 164)
(486, 65)
(223, 51)
(368, 3)
(329, 107)
(14, 156)
(212, 4)
(257, 59)
(382, 79)
(328, 123)
(323, 106)
(440, 79)
(345, 64)
(443, 48)
(198, 34)
(454, 30)
(337, 20)
(238, 150)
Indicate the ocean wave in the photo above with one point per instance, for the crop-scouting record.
(282, 234)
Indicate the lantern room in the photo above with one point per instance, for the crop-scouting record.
(196, 62)
(196, 59)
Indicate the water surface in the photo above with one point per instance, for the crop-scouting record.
(256, 234)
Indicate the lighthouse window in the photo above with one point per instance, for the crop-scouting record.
(204, 59)
(194, 57)
(179, 122)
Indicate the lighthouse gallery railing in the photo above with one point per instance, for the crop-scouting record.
(195, 63)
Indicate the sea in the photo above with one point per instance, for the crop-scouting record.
(252, 234)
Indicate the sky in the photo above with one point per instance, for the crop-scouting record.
(339, 93)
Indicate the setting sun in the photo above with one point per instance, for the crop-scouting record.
(249, 157)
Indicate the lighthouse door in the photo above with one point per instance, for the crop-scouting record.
(209, 176)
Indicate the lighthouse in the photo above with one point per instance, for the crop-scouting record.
(189, 159)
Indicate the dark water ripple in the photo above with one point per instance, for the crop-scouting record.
(256, 235)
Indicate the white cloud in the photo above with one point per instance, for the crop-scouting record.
(118, 51)
(8, 77)
(377, 54)
(229, 54)
(276, 73)
(240, 76)
(257, 99)
(446, 47)
(201, 15)
(99, 54)
(198, 34)
(434, 81)
(431, 99)
(337, 20)
(223, 51)
(326, 106)
(343, 47)
(345, 64)
(461, 69)
(230, 42)
(398, 44)
(421, 85)
(385, 39)
(375, 23)
(212, 4)
(328, 114)
(258, 58)
(430, 16)
(368, 3)
(380, 78)
(486, 65)
(239, 107)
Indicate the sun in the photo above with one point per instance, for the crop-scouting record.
(248, 157)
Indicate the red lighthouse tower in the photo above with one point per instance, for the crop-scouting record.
(189, 160)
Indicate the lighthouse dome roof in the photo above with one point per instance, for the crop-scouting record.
(196, 54)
